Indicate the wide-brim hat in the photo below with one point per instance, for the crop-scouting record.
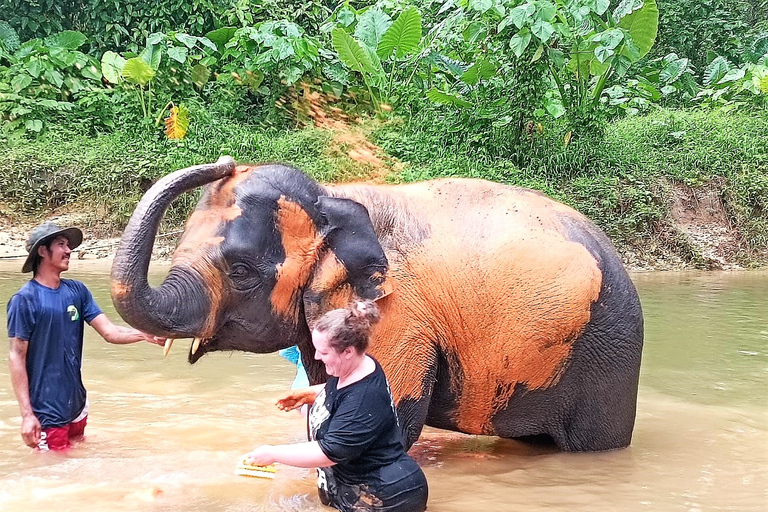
(45, 232)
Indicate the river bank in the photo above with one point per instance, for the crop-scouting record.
(703, 226)
(673, 190)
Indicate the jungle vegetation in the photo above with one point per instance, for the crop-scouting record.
(605, 105)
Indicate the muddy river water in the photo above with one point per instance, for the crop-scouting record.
(164, 435)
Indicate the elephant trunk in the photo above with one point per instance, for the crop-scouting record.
(178, 306)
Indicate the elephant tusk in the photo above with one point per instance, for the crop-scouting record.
(167, 346)
(195, 345)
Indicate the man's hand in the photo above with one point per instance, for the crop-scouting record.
(296, 398)
(122, 335)
(155, 340)
(30, 430)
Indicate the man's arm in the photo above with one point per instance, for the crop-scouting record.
(121, 335)
(17, 360)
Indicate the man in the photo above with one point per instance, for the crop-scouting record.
(45, 326)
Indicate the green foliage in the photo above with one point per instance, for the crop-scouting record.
(746, 193)
(620, 180)
(61, 167)
(378, 43)
(40, 80)
(693, 28)
(270, 55)
(112, 25)
(172, 63)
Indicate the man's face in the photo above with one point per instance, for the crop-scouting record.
(58, 254)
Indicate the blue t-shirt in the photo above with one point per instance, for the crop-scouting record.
(52, 321)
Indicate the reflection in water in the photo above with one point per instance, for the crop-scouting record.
(164, 435)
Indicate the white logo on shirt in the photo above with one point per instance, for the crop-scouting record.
(318, 414)
(73, 313)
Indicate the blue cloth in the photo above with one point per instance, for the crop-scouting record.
(293, 354)
(52, 322)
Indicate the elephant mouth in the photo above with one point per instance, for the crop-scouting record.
(197, 349)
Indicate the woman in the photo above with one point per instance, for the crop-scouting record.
(356, 442)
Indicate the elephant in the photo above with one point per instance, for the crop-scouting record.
(504, 312)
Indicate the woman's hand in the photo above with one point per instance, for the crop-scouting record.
(261, 456)
(296, 398)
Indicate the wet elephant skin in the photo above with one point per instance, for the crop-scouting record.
(503, 312)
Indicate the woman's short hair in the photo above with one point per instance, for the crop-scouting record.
(350, 326)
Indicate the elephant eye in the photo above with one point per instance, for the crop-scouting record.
(238, 271)
(244, 277)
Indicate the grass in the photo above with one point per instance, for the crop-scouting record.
(622, 182)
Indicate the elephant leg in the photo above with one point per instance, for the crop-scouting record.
(592, 408)
(412, 407)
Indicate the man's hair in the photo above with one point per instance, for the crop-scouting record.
(350, 326)
(47, 244)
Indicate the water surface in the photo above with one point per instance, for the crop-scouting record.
(164, 435)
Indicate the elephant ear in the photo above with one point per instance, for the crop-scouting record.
(353, 265)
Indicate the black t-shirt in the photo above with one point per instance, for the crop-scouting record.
(357, 428)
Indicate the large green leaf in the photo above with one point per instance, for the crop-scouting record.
(91, 71)
(8, 36)
(403, 36)
(446, 99)
(762, 83)
(151, 55)
(186, 40)
(68, 39)
(379, 78)
(543, 30)
(546, 11)
(758, 50)
(625, 8)
(480, 70)
(54, 77)
(481, 5)
(20, 82)
(715, 71)
(673, 71)
(178, 53)
(112, 65)
(62, 57)
(371, 27)
(522, 14)
(221, 36)
(137, 71)
(643, 24)
(200, 75)
(350, 52)
(519, 42)
(446, 64)
(474, 32)
(34, 67)
(208, 43)
(155, 38)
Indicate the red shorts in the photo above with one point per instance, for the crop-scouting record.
(58, 438)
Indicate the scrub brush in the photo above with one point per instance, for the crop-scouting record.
(246, 469)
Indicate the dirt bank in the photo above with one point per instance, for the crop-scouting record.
(100, 240)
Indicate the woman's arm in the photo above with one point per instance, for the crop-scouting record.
(295, 398)
(302, 455)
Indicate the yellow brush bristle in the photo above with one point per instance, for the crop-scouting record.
(245, 469)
